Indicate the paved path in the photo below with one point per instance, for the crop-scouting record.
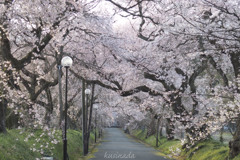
(118, 146)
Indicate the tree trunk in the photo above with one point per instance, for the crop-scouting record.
(11, 119)
(60, 95)
(234, 145)
(90, 114)
(151, 128)
(157, 134)
(170, 129)
(160, 131)
(49, 107)
(221, 135)
(4, 49)
(84, 129)
(3, 107)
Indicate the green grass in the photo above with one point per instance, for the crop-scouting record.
(208, 150)
(13, 146)
(205, 150)
(167, 148)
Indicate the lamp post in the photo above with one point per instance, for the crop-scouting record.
(87, 92)
(66, 62)
(96, 107)
(85, 121)
(100, 128)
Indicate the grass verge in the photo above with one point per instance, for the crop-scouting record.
(16, 146)
(205, 150)
(169, 149)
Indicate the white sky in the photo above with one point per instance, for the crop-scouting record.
(120, 23)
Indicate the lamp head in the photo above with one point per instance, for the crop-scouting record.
(87, 91)
(95, 107)
(66, 61)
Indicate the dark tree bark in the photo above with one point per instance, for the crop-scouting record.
(49, 106)
(151, 129)
(59, 66)
(19, 64)
(157, 134)
(234, 145)
(4, 48)
(84, 130)
(11, 119)
(161, 131)
(90, 114)
(3, 107)
(170, 129)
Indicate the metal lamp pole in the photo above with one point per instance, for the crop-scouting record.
(87, 93)
(65, 62)
(96, 127)
(96, 107)
(100, 128)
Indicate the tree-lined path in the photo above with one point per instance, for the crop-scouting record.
(169, 67)
(116, 145)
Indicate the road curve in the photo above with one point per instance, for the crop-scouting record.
(118, 146)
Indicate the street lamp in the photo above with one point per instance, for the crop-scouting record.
(87, 91)
(85, 116)
(96, 107)
(66, 62)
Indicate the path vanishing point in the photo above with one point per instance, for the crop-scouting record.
(118, 146)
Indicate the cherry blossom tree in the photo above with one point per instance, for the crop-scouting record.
(177, 57)
(34, 37)
(182, 33)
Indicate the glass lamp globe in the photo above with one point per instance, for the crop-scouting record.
(66, 61)
(95, 107)
(87, 91)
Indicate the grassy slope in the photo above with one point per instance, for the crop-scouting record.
(166, 147)
(13, 146)
(207, 150)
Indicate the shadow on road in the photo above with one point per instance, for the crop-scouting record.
(116, 145)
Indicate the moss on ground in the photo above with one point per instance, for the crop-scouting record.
(205, 150)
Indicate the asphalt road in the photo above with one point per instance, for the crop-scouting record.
(118, 146)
